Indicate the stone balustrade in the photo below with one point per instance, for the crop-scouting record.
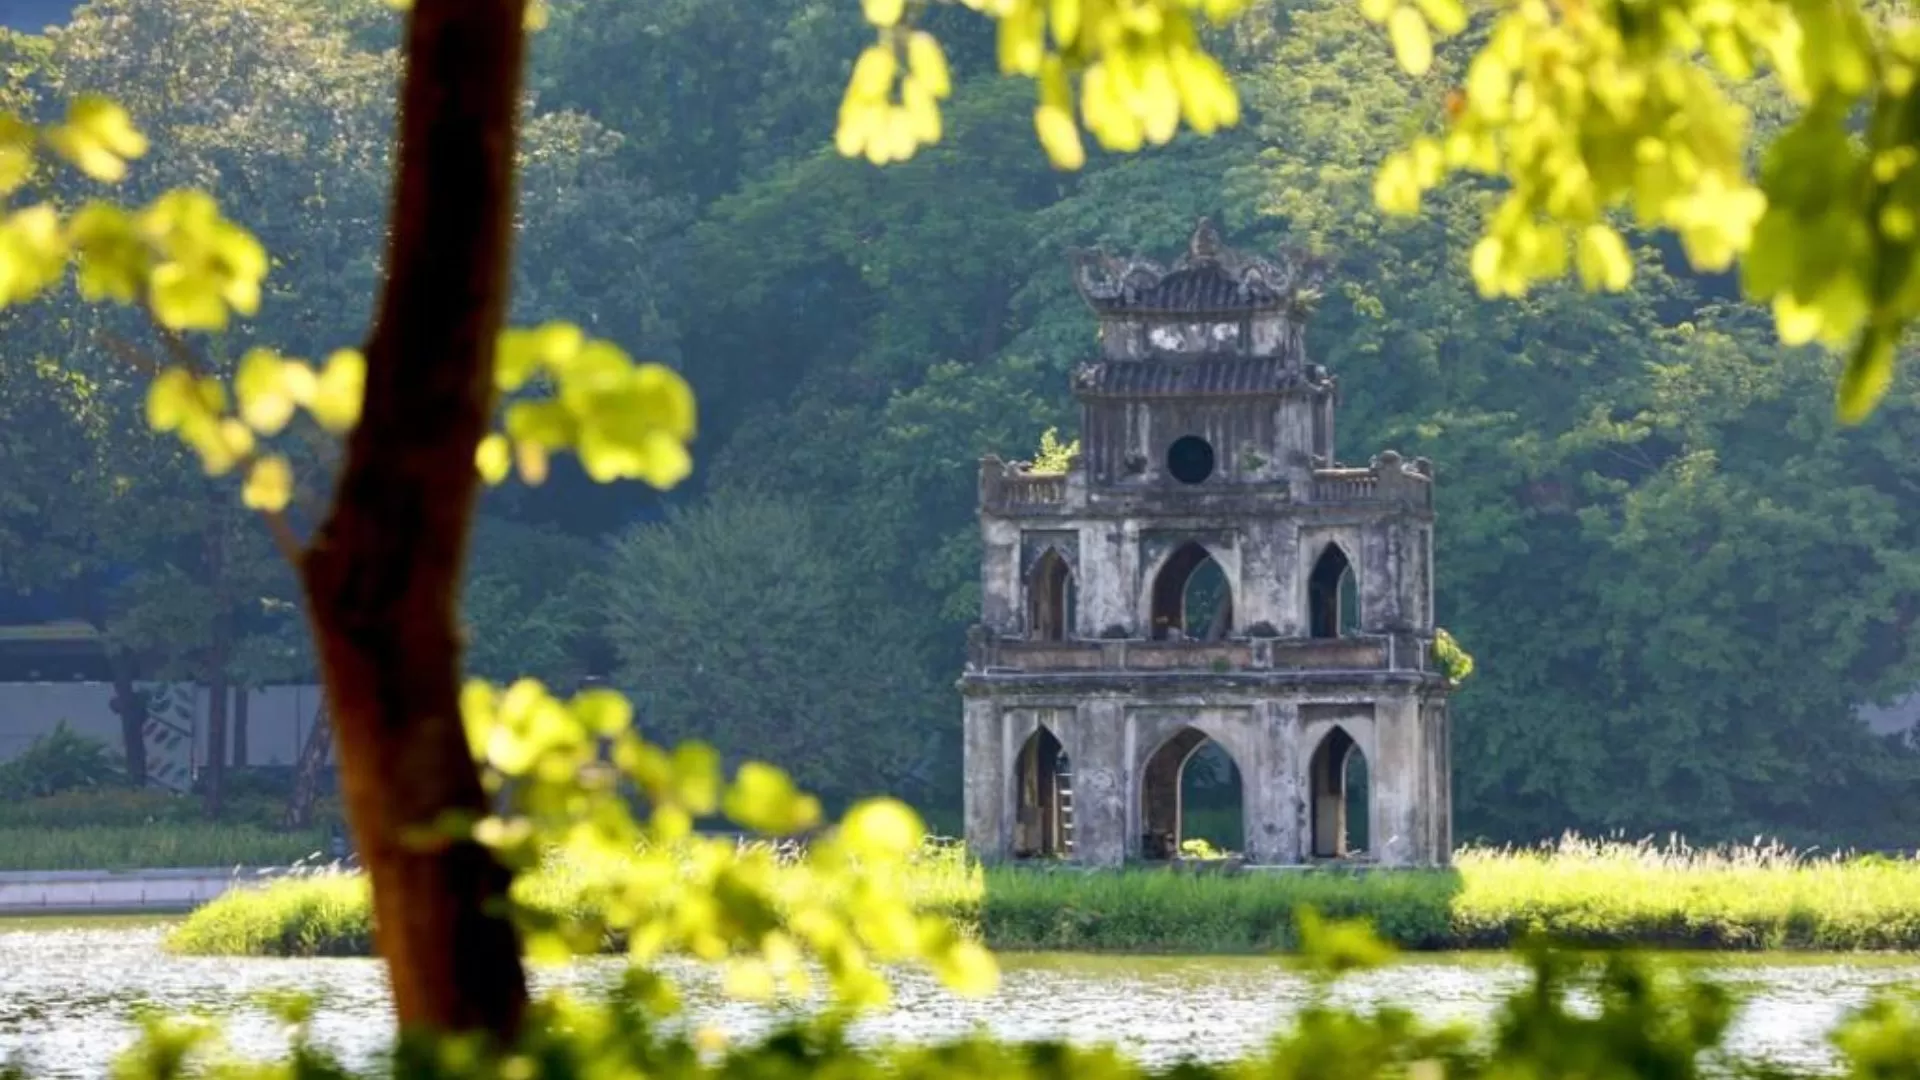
(1390, 479)
(1008, 485)
(1373, 652)
(1344, 485)
(1011, 486)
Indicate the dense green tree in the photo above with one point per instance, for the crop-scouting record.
(740, 623)
(532, 603)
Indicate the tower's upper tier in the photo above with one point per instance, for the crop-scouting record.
(1212, 302)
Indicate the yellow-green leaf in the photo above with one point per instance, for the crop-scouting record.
(1868, 373)
(16, 152)
(1412, 44)
(113, 260)
(1396, 187)
(1448, 17)
(269, 485)
(98, 138)
(184, 300)
(763, 799)
(1065, 15)
(696, 777)
(1335, 947)
(1021, 38)
(172, 399)
(882, 828)
(873, 73)
(339, 390)
(604, 712)
(1796, 323)
(33, 253)
(493, 458)
(1604, 262)
(1060, 137)
(967, 969)
(928, 63)
(261, 387)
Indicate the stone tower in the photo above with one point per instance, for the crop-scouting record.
(1092, 678)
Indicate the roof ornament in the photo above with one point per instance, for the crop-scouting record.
(1205, 246)
(1208, 279)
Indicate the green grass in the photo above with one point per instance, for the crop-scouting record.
(1584, 893)
(152, 846)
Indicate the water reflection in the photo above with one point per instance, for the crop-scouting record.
(69, 995)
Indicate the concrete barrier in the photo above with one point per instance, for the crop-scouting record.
(70, 892)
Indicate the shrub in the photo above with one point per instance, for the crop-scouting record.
(100, 808)
(62, 760)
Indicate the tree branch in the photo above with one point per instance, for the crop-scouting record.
(285, 539)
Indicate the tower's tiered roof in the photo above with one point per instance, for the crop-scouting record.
(1209, 280)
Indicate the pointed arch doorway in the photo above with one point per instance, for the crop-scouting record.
(1190, 789)
(1043, 799)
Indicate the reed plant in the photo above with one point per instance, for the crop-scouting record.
(1577, 891)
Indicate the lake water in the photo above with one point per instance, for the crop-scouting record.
(67, 995)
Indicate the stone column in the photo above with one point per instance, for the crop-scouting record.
(1002, 605)
(1439, 782)
(1293, 561)
(985, 791)
(1271, 785)
(1109, 596)
(1099, 784)
(1398, 778)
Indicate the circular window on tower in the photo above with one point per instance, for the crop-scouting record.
(1190, 459)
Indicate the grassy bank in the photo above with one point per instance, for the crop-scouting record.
(152, 846)
(1584, 893)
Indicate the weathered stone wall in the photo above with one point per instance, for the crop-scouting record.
(1267, 560)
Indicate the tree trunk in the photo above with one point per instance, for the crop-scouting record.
(306, 772)
(382, 576)
(214, 780)
(242, 698)
(219, 654)
(131, 706)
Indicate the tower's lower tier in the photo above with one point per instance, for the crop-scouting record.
(1089, 766)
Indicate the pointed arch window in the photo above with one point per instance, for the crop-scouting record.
(1050, 598)
(1043, 799)
(1192, 599)
(1190, 788)
(1338, 776)
(1333, 595)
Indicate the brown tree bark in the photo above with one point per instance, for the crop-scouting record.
(382, 575)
